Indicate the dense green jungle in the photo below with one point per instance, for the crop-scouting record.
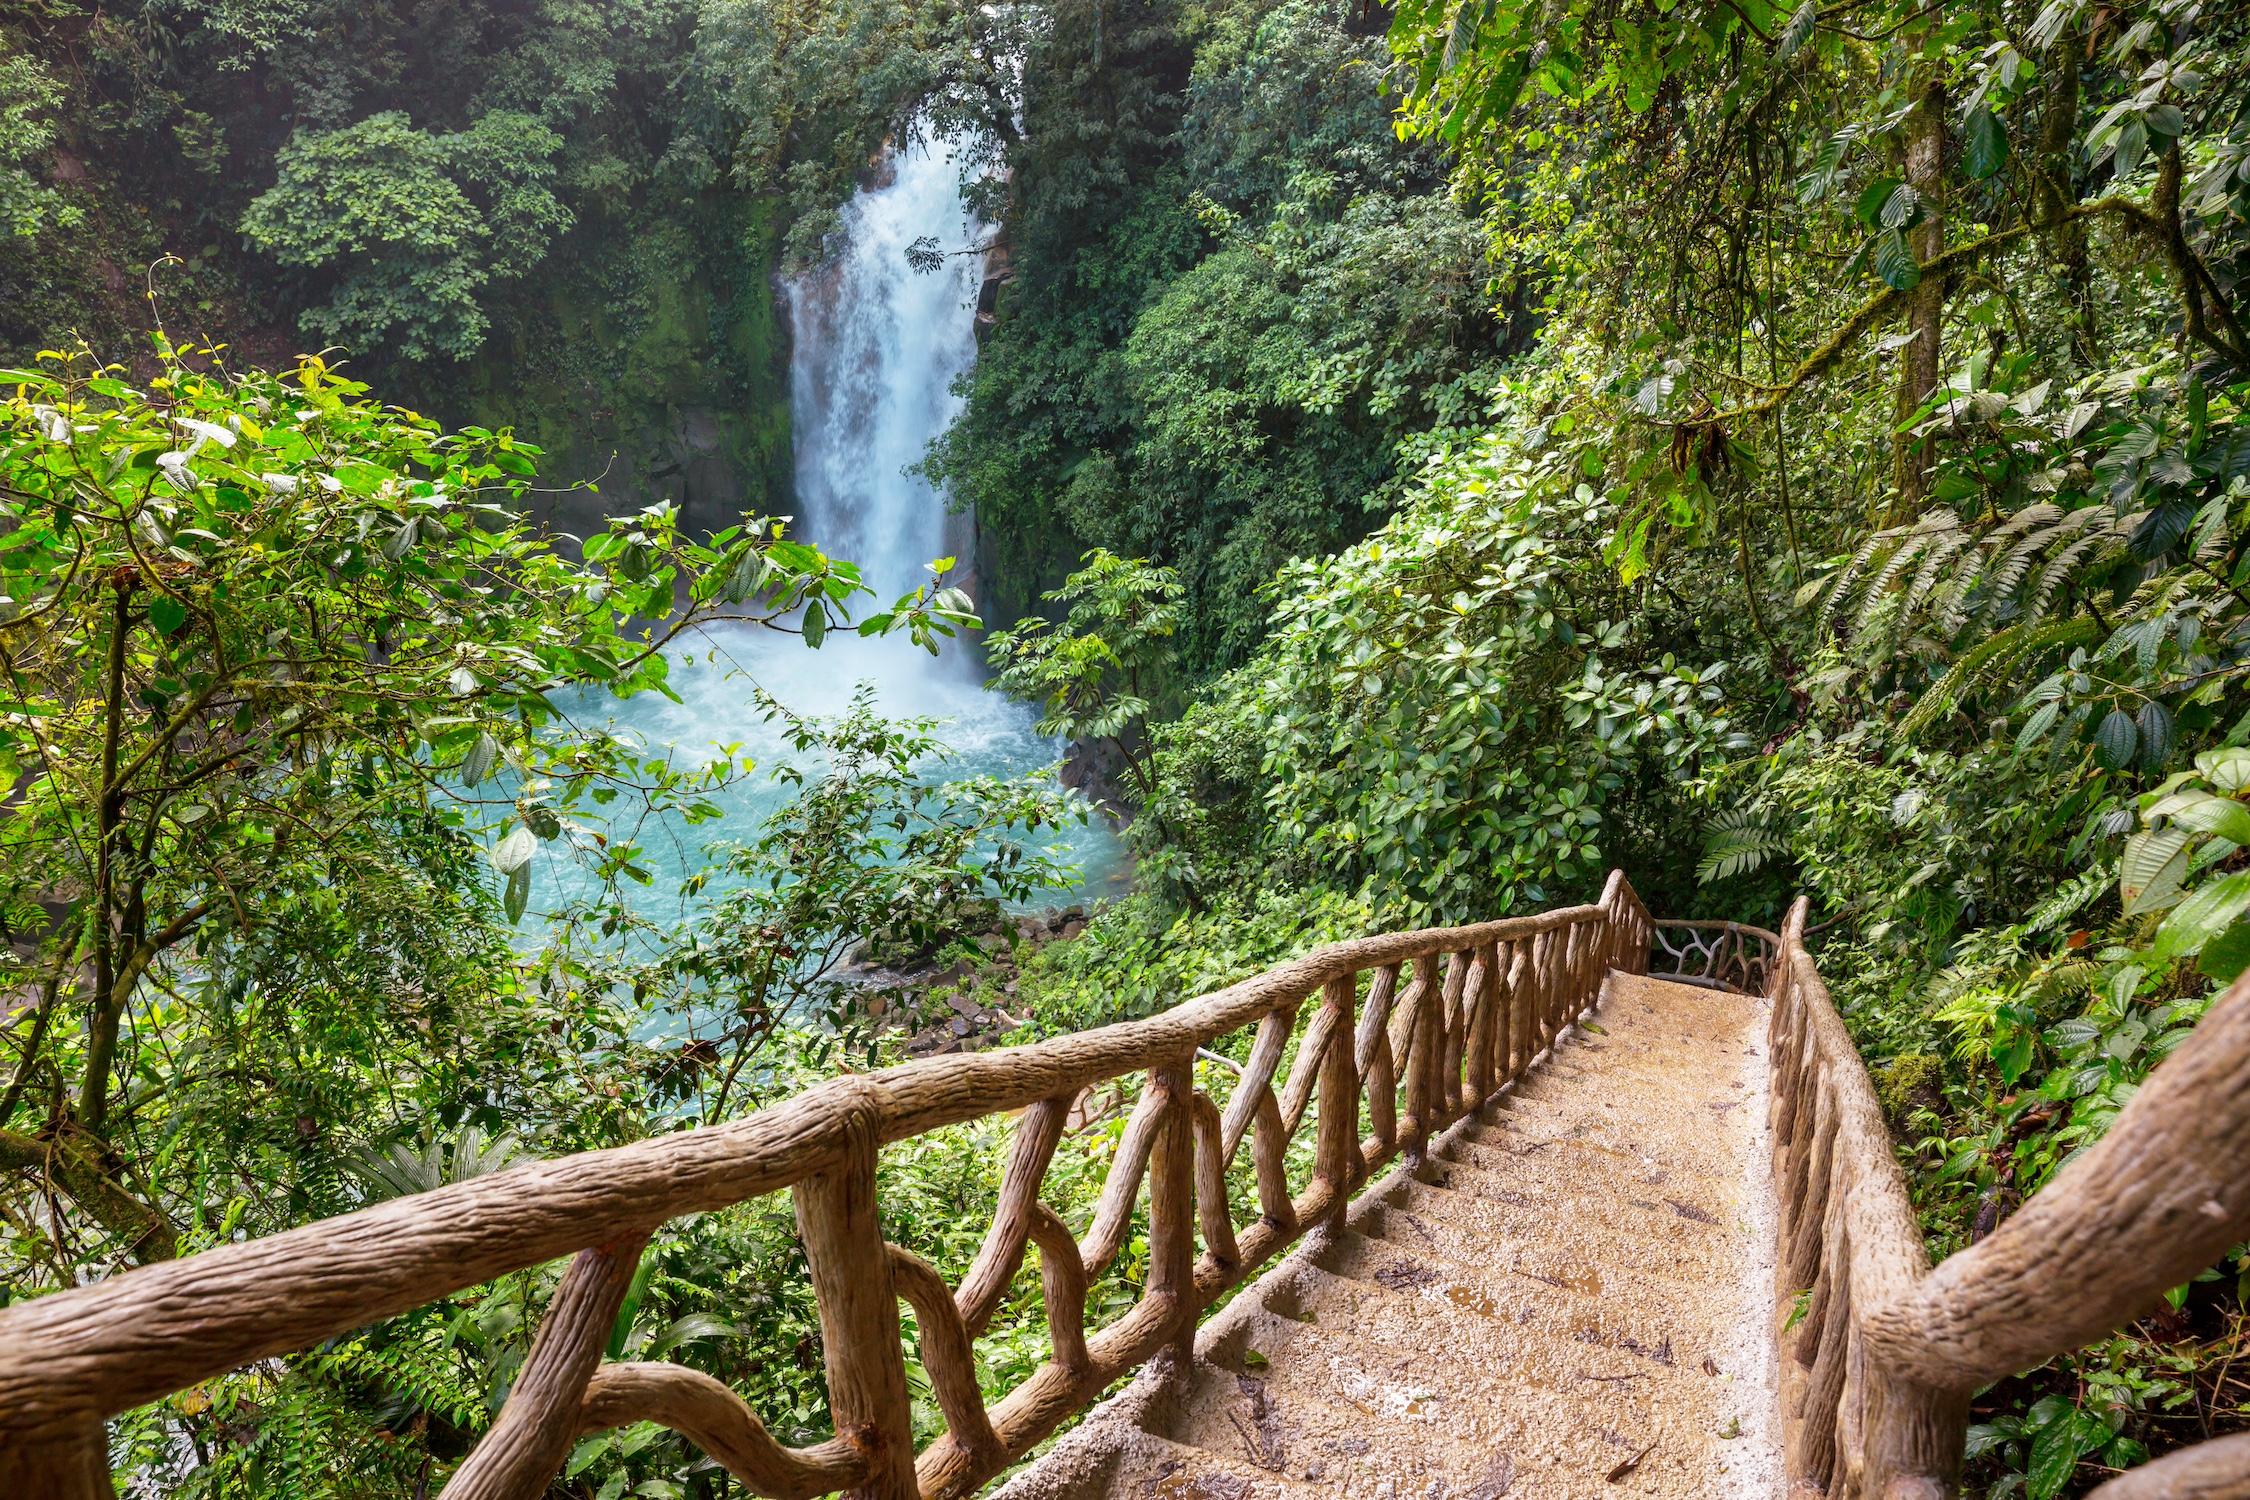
(1434, 455)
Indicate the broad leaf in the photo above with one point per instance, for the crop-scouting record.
(478, 763)
(1894, 263)
(1797, 32)
(2223, 816)
(2150, 869)
(2157, 732)
(2227, 955)
(1986, 149)
(1901, 209)
(2228, 767)
(514, 852)
(2115, 740)
(2058, 1447)
(2202, 917)
(1868, 210)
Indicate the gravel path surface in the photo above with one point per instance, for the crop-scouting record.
(1572, 1297)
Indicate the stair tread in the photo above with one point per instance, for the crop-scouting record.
(1652, 1235)
(1554, 1292)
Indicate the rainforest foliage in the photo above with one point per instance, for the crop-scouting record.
(1443, 453)
(1869, 516)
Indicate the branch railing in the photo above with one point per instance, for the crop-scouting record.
(1881, 1352)
(1449, 1017)
(1716, 955)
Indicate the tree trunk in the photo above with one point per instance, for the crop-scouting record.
(2055, 191)
(1919, 359)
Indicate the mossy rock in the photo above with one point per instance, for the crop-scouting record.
(1912, 1081)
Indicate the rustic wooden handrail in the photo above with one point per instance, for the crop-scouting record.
(1881, 1351)
(1734, 956)
(1477, 1007)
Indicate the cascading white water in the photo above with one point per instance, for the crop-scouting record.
(877, 348)
(878, 345)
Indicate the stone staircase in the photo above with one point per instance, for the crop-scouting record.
(1570, 1296)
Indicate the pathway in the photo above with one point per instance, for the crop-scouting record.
(1571, 1297)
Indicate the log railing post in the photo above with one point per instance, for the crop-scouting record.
(519, 1458)
(1481, 1002)
(1418, 1060)
(1336, 1155)
(1455, 1027)
(1171, 1207)
(1516, 1048)
(859, 1330)
(71, 1463)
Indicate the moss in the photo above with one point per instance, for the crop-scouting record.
(1910, 1082)
(653, 367)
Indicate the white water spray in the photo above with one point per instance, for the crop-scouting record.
(878, 345)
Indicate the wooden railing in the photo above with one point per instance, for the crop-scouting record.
(1880, 1352)
(1447, 1018)
(1716, 955)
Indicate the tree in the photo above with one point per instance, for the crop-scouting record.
(277, 664)
(871, 850)
(1091, 675)
(28, 93)
(409, 227)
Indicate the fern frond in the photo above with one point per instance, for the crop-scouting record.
(1737, 842)
(2070, 898)
(2060, 566)
(1935, 556)
(1878, 589)
(1840, 585)
(1983, 665)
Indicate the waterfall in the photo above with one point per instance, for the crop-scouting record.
(877, 348)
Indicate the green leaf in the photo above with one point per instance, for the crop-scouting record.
(1797, 32)
(2015, 1058)
(2223, 816)
(166, 613)
(514, 852)
(2132, 142)
(1901, 209)
(2149, 870)
(1461, 37)
(2227, 955)
(2155, 723)
(2228, 767)
(2115, 740)
(1894, 263)
(583, 1456)
(518, 894)
(815, 624)
(2057, 1449)
(478, 763)
(744, 579)
(1872, 198)
(1986, 149)
(2125, 1453)
(2202, 917)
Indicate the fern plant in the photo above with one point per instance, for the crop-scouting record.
(1736, 842)
(2134, 490)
